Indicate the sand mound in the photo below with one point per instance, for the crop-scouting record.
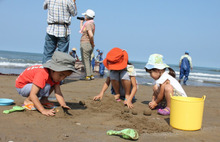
(140, 117)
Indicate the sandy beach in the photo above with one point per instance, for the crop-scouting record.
(90, 120)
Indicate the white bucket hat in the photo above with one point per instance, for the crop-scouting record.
(89, 13)
(156, 61)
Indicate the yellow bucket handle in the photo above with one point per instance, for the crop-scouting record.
(204, 97)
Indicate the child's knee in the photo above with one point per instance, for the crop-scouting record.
(155, 88)
(168, 88)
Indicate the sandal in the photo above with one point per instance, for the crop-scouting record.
(165, 111)
(159, 107)
(29, 106)
(48, 105)
(118, 100)
(125, 102)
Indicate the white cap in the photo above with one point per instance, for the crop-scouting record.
(89, 13)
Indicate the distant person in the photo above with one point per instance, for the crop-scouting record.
(93, 61)
(58, 31)
(39, 81)
(74, 55)
(185, 65)
(101, 65)
(116, 61)
(87, 45)
(97, 50)
(165, 84)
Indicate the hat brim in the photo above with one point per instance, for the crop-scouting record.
(157, 66)
(117, 66)
(51, 65)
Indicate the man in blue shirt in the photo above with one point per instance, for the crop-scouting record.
(185, 65)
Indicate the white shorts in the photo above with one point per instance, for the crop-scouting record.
(119, 75)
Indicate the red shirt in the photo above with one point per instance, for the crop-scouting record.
(37, 75)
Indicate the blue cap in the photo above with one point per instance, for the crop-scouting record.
(97, 49)
(186, 52)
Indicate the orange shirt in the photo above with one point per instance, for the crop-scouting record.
(37, 75)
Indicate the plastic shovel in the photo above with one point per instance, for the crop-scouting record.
(126, 133)
(15, 108)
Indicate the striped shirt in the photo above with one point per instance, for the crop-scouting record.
(59, 11)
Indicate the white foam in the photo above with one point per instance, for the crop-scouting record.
(8, 64)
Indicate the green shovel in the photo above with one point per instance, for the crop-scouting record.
(126, 133)
(15, 108)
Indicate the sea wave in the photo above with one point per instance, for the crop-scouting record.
(197, 77)
(143, 72)
(16, 65)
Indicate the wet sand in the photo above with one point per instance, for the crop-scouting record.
(90, 120)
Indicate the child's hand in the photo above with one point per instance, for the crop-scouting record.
(128, 103)
(98, 97)
(152, 104)
(66, 107)
(48, 112)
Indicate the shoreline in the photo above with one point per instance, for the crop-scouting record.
(96, 74)
(92, 121)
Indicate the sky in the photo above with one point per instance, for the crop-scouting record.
(141, 27)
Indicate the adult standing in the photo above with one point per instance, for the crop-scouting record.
(58, 31)
(185, 64)
(87, 45)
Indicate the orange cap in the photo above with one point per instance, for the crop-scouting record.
(116, 59)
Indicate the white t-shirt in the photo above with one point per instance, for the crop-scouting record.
(176, 85)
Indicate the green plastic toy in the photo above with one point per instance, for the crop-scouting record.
(15, 108)
(125, 133)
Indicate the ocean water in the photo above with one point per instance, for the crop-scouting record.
(15, 62)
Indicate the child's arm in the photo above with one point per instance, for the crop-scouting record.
(160, 96)
(33, 96)
(104, 88)
(59, 96)
(133, 92)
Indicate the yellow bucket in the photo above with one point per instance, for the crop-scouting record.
(186, 112)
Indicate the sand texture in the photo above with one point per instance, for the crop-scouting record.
(89, 120)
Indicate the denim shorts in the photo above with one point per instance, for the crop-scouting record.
(25, 91)
(119, 75)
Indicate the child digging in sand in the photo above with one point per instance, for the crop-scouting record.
(165, 84)
(117, 61)
(39, 81)
(132, 73)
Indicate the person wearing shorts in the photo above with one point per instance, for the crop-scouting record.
(116, 61)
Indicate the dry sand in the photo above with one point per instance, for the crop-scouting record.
(90, 120)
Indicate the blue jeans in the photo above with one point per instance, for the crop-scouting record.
(51, 43)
